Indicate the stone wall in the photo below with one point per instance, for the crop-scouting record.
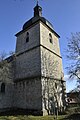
(51, 71)
(28, 64)
(34, 33)
(52, 82)
(6, 98)
(28, 94)
(6, 78)
(44, 39)
(51, 64)
(52, 95)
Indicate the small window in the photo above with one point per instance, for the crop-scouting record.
(50, 38)
(2, 88)
(56, 85)
(27, 37)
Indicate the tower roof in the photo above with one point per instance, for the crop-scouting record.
(37, 17)
(37, 10)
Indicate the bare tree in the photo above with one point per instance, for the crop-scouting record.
(6, 71)
(73, 55)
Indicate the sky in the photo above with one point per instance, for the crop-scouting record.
(63, 14)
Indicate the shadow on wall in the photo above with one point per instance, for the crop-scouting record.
(18, 111)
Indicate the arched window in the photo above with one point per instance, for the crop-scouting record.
(27, 37)
(3, 88)
(50, 38)
(56, 85)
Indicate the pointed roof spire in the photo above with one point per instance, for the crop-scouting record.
(37, 10)
(37, 2)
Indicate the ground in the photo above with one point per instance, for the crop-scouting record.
(71, 113)
(24, 117)
(29, 117)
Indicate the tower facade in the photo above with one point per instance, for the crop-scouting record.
(38, 83)
(39, 65)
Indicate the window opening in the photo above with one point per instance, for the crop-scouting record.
(27, 37)
(50, 38)
(56, 85)
(3, 88)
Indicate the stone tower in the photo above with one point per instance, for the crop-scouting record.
(39, 66)
(37, 84)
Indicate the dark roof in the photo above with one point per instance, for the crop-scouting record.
(37, 17)
(33, 20)
(10, 58)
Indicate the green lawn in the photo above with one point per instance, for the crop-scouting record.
(24, 117)
(72, 113)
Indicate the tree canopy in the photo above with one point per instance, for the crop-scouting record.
(73, 55)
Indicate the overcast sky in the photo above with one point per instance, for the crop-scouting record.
(63, 14)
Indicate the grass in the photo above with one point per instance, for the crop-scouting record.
(24, 117)
(72, 113)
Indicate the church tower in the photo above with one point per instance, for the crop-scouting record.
(39, 83)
